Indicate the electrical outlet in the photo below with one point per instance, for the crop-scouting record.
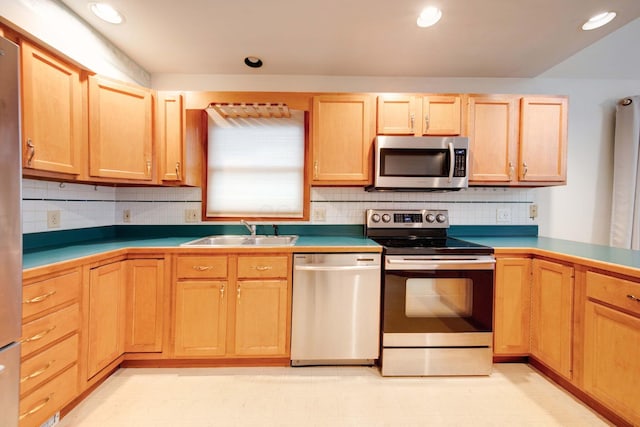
(319, 214)
(533, 211)
(126, 215)
(53, 219)
(191, 215)
(503, 215)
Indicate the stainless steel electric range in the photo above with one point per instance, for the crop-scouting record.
(437, 316)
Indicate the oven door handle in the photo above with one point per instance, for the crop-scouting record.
(318, 267)
(440, 264)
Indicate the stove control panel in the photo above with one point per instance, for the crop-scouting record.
(409, 218)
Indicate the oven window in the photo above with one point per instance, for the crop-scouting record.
(439, 298)
(419, 163)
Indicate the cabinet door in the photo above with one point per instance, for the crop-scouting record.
(145, 305)
(441, 115)
(552, 315)
(396, 115)
(493, 138)
(543, 139)
(201, 318)
(119, 130)
(106, 316)
(51, 112)
(512, 309)
(262, 308)
(343, 131)
(171, 118)
(612, 359)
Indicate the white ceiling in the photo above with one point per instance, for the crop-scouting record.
(475, 38)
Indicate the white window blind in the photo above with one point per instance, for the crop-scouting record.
(255, 166)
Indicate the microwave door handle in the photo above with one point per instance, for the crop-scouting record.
(452, 161)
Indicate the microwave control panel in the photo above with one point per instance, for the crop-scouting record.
(460, 162)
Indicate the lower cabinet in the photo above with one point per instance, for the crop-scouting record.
(612, 344)
(106, 320)
(512, 310)
(145, 305)
(552, 315)
(200, 318)
(50, 343)
(243, 313)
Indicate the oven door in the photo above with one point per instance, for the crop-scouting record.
(437, 317)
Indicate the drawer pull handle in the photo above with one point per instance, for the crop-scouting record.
(633, 298)
(37, 373)
(263, 267)
(40, 298)
(36, 408)
(38, 336)
(202, 267)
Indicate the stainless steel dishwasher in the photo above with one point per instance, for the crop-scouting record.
(336, 309)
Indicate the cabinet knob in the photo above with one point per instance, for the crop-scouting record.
(524, 169)
(36, 408)
(202, 267)
(263, 267)
(413, 121)
(178, 171)
(38, 336)
(222, 292)
(426, 122)
(37, 373)
(633, 298)
(511, 171)
(315, 169)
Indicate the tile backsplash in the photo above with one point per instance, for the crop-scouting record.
(83, 206)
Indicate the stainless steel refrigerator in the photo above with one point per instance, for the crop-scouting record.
(10, 234)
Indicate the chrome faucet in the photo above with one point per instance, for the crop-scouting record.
(250, 227)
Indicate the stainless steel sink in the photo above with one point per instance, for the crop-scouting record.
(236, 240)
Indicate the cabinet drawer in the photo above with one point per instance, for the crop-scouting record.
(263, 266)
(615, 291)
(45, 401)
(47, 329)
(45, 365)
(194, 267)
(40, 296)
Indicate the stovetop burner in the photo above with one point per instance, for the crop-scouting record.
(417, 232)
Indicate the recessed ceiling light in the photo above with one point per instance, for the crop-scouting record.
(429, 17)
(253, 62)
(598, 21)
(106, 12)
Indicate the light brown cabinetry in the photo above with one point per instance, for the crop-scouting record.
(50, 344)
(611, 343)
(106, 316)
(120, 130)
(512, 308)
(232, 306)
(342, 132)
(262, 306)
(552, 315)
(419, 115)
(52, 120)
(517, 140)
(170, 136)
(200, 322)
(145, 305)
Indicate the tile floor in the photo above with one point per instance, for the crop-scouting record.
(514, 395)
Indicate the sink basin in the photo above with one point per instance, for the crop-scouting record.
(233, 240)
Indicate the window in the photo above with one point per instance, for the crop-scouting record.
(255, 167)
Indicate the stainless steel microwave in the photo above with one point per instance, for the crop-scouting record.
(425, 163)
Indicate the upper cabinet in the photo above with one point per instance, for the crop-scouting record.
(342, 130)
(517, 140)
(120, 130)
(419, 115)
(52, 120)
(170, 136)
(543, 139)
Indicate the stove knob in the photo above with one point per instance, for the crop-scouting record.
(441, 218)
(375, 217)
(386, 218)
(430, 217)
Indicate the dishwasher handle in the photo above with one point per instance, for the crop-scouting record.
(325, 267)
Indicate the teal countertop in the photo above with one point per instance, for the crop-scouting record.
(624, 257)
(51, 255)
